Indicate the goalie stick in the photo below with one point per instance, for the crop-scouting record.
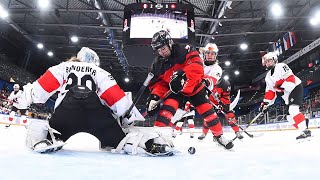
(143, 87)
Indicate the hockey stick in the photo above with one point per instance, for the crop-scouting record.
(232, 105)
(160, 101)
(143, 87)
(251, 122)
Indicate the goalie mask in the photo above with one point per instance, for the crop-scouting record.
(270, 59)
(89, 56)
(210, 54)
(161, 43)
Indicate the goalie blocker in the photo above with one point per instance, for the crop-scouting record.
(82, 111)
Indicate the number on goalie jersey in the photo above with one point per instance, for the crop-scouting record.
(68, 74)
(84, 89)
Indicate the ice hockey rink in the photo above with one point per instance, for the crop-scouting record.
(275, 155)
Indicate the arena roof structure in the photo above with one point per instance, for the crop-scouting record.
(98, 25)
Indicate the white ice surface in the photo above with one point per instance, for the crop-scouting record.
(275, 155)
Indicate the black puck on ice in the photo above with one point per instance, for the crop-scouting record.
(192, 150)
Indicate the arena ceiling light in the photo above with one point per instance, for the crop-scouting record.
(236, 72)
(3, 13)
(74, 39)
(227, 63)
(276, 9)
(244, 46)
(315, 19)
(126, 80)
(40, 46)
(50, 53)
(43, 4)
(226, 77)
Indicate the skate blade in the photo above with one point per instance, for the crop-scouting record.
(304, 139)
(42, 150)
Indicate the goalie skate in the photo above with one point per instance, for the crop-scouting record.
(45, 146)
(160, 150)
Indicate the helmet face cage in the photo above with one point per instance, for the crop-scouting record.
(161, 39)
(89, 56)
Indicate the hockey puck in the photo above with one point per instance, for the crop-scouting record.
(192, 150)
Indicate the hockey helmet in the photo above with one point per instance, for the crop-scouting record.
(88, 55)
(210, 48)
(16, 87)
(161, 39)
(270, 56)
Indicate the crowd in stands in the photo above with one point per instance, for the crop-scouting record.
(40, 111)
(12, 71)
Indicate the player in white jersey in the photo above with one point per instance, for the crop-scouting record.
(212, 70)
(84, 90)
(280, 81)
(19, 106)
(186, 112)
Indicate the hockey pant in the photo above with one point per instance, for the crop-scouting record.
(79, 114)
(202, 104)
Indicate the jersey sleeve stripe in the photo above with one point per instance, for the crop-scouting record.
(48, 82)
(112, 95)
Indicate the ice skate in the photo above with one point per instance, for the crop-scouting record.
(46, 146)
(304, 135)
(238, 134)
(191, 135)
(224, 142)
(203, 135)
(159, 150)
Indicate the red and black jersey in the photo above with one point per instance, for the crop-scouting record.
(222, 92)
(183, 58)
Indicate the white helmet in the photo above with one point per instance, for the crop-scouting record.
(88, 55)
(16, 86)
(211, 47)
(270, 56)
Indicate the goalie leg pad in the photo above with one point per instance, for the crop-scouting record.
(37, 131)
(135, 141)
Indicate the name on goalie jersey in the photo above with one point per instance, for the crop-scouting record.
(85, 69)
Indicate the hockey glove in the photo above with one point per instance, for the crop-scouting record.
(152, 106)
(263, 107)
(177, 82)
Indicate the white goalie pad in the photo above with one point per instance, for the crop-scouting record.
(123, 105)
(37, 131)
(134, 142)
